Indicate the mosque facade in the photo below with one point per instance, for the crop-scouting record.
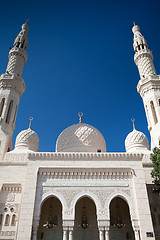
(80, 191)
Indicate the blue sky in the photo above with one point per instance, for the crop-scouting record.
(80, 59)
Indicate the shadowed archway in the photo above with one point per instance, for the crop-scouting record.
(50, 226)
(85, 227)
(120, 221)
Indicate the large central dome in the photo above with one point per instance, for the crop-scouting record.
(80, 137)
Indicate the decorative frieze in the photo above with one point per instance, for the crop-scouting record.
(84, 173)
(12, 187)
(86, 156)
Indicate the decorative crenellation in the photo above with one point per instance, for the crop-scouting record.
(91, 173)
(15, 159)
(12, 187)
(86, 156)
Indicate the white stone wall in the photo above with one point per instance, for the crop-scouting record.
(68, 177)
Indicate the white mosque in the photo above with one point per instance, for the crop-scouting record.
(78, 192)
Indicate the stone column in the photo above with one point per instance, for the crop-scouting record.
(70, 233)
(135, 225)
(68, 229)
(107, 233)
(65, 233)
(101, 233)
(136, 234)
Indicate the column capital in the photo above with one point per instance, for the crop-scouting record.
(135, 224)
(68, 223)
(104, 223)
(65, 228)
(101, 228)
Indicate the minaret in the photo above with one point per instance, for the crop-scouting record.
(12, 87)
(149, 84)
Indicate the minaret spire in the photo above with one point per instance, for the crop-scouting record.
(12, 87)
(148, 85)
(143, 56)
(17, 55)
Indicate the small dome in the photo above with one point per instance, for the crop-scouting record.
(80, 137)
(27, 139)
(136, 141)
(25, 26)
(135, 28)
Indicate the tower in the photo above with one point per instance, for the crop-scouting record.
(149, 84)
(12, 87)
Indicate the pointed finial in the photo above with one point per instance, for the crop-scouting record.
(134, 23)
(30, 119)
(80, 117)
(133, 120)
(27, 20)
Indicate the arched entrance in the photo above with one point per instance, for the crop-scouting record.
(120, 221)
(50, 226)
(85, 226)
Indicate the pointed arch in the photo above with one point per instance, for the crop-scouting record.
(54, 194)
(9, 111)
(13, 221)
(126, 198)
(90, 195)
(7, 220)
(153, 112)
(15, 113)
(1, 106)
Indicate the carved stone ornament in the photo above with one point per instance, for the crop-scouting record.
(83, 173)
(15, 187)
(7, 233)
(11, 197)
(68, 223)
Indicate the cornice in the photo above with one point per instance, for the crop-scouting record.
(82, 173)
(15, 159)
(84, 156)
(147, 85)
(15, 187)
(11, 81)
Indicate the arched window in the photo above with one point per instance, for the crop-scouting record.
(13, 222)
(14, 119)
(7, 220)
(147, 115)
(153, 112)
(1, 219)
(9, 111)
(1, 106)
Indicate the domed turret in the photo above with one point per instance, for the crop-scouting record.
(27, 139)
(80, 137)
(136, 141)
